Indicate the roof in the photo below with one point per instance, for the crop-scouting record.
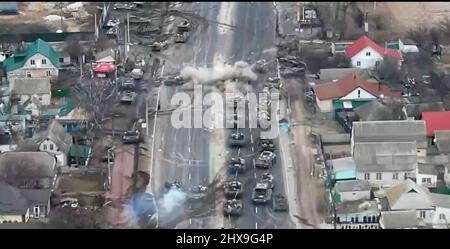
(441, 200)
(36, 196)
(436, 121)
(39, 46)
(77, 114)
(348, 83)
(390, 131)
(359, 206)
(58, 135)
(427, 169)
(443, 141)
(11, 200)
(399, 219)
(77, 150)
(378, 157)
(354, 185)
(415, 110)
(364, 42)
(344, 163)
(374, 110)
(30, 86)
(408, 195)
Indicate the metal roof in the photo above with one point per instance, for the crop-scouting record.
(31, 86)
(443, 141)
(399, 219)
(354, 185)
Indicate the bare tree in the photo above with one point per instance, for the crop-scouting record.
(96, 96)
(389, 70)
(379, 21)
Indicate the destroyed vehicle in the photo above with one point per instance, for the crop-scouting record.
(174, 185)
(280, 203)
(158, 46)
(261, 66)
(269, 155)
(69, 202)
(261, 193)
(131, 137)
(124, 6)
(171, 81)
(198, 193)
(112, 33)
(128, 97)
(181, 37)
(267, 145)
(184, 26)
(128, 84)
(236, 165)
(233, 189)
(137, 73)
(273, 80)
(237, 139)
(112, 23)
(232, 207)
(269, 179)
(263, 163)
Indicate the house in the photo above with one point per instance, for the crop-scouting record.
(364, 53)
(441, 216)
(79, 154)
(405, 47)
(76, 121)
(376, 110)
(386, 163)
(56, 141)
(413, 111)
(38, 60)
(399, 220)
(64, 58)
(342, 169)
(334, 74)
(340, 47)
(352, 190)
(26, 88)
(391, 131)
(15, 123)
(410, 196)
(361, 214)
(427, 175)
(349, 89)
(436, 121)
(6, 143)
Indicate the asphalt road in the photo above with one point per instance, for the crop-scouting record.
(184, 154)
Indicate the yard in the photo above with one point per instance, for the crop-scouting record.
(80, 182)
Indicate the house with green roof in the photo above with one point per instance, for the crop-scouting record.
(38, 60)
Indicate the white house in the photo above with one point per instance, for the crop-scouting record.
(6, 143)
(441, 217)
(56, 141)
(361, 214)
(410, 196)
(364, 53)
(26, 88)
(385, 164)
(426, 175)
(399, 220)
(349, 88)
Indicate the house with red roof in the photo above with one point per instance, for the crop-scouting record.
(365, 53)
(349, 90)
(436, 121)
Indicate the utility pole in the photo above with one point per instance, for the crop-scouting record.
(146, 115)
(61, 13)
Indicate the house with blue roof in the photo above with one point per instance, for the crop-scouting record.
(38, 60)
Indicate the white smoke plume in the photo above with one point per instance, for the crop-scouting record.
(171, 202)
(219, 72)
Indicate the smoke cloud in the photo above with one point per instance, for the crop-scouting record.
(171, 205)
(220, 71)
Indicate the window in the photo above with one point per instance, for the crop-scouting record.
(44, 61)
(406, 176)
(422, 214)
(359, 93)
(61, 60)
(48, 73)
(28, 74)
(45, 147)
(442, 216)
(377, 63)
(367, 53)
(426, 180)
(365, 219)
(358, 63)
(32, 62)
(367, 176)
(51, 146)
(395, 176)
(356, 219)
(378, 176)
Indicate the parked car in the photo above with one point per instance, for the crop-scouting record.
(131, 137)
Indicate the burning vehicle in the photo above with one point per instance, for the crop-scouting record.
(232, 207)
(261, 66)
(233, 189)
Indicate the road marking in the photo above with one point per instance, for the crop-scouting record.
(189, 176)
(251, 138)
(254, 174)
(189, 149)
(253, 149)
(256, 225)
(254, 163)
(190, 221)
(239, 151)
(256, 210)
